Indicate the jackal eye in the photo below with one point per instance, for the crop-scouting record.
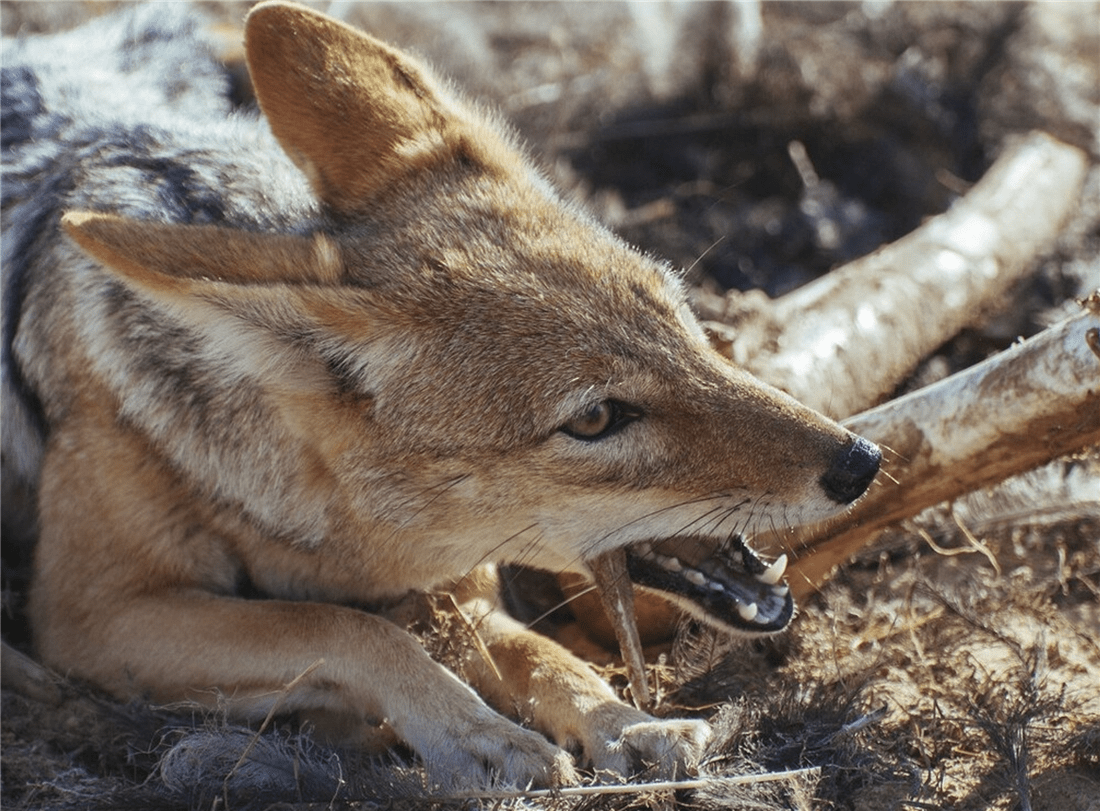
(601, 420)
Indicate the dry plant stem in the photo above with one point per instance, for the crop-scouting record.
(639, 788)
(266, 722)
(1022, 408)
(617, 595)
(842, 342)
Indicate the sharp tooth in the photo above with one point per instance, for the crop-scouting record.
(714, 585)
(771, 575)
(748, 612)
(672, 564)
(780, 590)
(645, 549)
(695, 577)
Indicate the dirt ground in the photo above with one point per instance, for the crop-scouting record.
(955, 663)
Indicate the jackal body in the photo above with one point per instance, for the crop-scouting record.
(352, 349)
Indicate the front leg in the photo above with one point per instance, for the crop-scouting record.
(133, 592)
(563, 697)
(242, 654)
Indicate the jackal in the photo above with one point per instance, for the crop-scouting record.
(347, 349)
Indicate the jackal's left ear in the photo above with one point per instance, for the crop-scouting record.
(354, 114)
(167, 256)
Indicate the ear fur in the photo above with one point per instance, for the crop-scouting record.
(200, 272)
(353, 113)
(169, 255)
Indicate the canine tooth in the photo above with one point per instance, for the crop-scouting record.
(672, 564)
(695, 577)
(771, 575)
(714, 585)
(780, 590)
(748, 612)
(645, 549)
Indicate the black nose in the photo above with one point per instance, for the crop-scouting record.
(852, 471)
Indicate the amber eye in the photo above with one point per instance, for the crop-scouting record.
(600, 420)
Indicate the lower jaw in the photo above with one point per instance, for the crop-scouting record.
(721, 583)
(619, 573)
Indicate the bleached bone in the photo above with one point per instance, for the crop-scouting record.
(1026, 406)
(842, 342)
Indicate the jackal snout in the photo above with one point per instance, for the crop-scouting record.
(852, 471)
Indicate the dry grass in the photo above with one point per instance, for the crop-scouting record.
(963, 679)
(914, 680)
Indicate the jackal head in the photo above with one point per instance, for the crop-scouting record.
(455, 367)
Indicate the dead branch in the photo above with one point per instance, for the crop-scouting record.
(25, 676)
(841, 343)
(1026, 406)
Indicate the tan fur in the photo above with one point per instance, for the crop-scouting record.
(384, 419)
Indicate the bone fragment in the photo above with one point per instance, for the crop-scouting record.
(843, 342)
(617, 594)
(1020, 409)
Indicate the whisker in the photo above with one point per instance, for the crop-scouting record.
(757, 521)
(440, 489)
(746, 525)
(530, 549)
(707, 523)
(893, 452)
(659, 511)
(701, 256)
(491, 554)
(700, 521)
(719, 518)
(562, 604)
(730, 513)
(887, 474)
(788, 524)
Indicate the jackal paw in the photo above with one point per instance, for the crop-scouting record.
(623, 740)
(495, 751)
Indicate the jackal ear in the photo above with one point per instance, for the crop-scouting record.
(276, 285)
(164, 255)
(354, 114)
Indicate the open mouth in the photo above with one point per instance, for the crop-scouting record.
(723, 584)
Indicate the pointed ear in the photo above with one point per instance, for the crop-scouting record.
(164, 255)
(281, 283)
(353, 113)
